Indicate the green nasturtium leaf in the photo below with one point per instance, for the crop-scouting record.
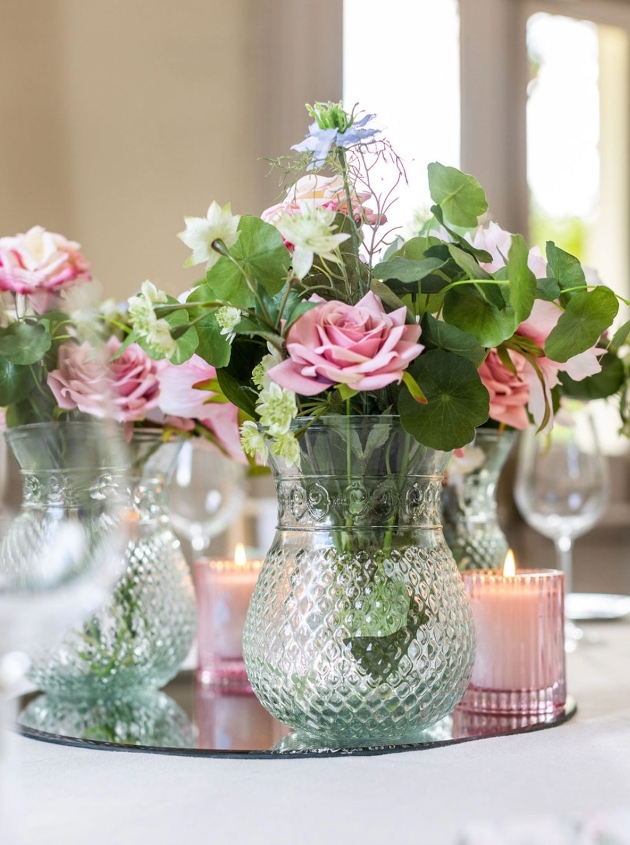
(405, 269)
(460, 196)
(547, 289)
(213, 346)
(467, 263)
(599, 386)
(235, 378)
(261, 254)
(457, 401)
(436, 334)
(16, 382)
(471, 312)
(24, 342)
(387, 296)
(620, 336)
(588, 314)
(565, 268)
(522, 288)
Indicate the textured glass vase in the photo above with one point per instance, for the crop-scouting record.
(359, 629)
(140, 638)
(469, 502)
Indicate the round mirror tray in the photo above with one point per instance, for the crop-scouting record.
(189, 719)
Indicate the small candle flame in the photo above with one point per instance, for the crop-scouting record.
(509, 567)
(240, 558)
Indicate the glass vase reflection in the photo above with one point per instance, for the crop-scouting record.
(143, 633)
(149, 718)
(469, 502)
(359, 627)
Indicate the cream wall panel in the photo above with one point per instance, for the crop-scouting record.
(119, 117)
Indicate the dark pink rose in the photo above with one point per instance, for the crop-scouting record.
(509, 393)
(535, 387)
(125, 389)
(359, 345)
(39, 261)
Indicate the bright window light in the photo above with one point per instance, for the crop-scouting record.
(404, 67)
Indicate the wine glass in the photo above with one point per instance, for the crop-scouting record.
(561, 487)
(206, 495)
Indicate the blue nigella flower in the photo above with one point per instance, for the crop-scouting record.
(319, 141)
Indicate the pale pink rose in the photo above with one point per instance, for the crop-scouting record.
(124, 389)
(359, 345)
(509, 393)
(181, 400)
(497, 242)
(40, 261)
(325, 192)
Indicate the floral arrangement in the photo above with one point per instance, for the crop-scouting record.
(315, 308)
(62, 361)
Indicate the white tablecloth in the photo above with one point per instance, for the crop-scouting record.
(82, 797)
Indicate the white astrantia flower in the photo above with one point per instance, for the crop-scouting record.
(259, 373)
(287, 446)
(228, 318)
(277, 408)
(311, 233)
(160, 338)
(253, 441)
(219, 224)
(155, 333)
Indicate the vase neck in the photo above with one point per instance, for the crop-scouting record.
(358, 502)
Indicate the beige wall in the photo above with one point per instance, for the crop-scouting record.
(119, 117)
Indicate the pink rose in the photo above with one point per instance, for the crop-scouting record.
(509, 393)
(181, 398)
(358, 345)
(501, 383)
(124, 389)
(40, 261)
(325, 192)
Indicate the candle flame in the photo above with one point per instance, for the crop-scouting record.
(509, 567)
(240, 558)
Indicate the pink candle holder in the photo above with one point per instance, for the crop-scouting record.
(224, 589)
(519, 622)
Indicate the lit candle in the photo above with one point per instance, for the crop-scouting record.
(519, 623)
(224, 589)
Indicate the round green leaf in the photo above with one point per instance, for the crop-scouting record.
(457, 401)
(24, 342)
(460, 196)
(588, 314)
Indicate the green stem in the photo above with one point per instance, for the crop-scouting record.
(354, 234)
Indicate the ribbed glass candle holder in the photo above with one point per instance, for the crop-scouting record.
(520, 661)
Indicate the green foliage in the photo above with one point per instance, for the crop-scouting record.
(436, 334)
(259, 257)
(468, 310)
(566, 269)
(606, 383)
(457, 401)
(459, 195)
(522, 288)
(587, 315)
(25, 342)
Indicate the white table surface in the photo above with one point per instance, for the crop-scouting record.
(74, 796)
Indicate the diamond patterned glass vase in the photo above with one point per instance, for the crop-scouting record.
(359, 629)
(140, 638)
(469, 501)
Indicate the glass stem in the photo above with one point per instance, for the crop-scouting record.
(564, 557)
